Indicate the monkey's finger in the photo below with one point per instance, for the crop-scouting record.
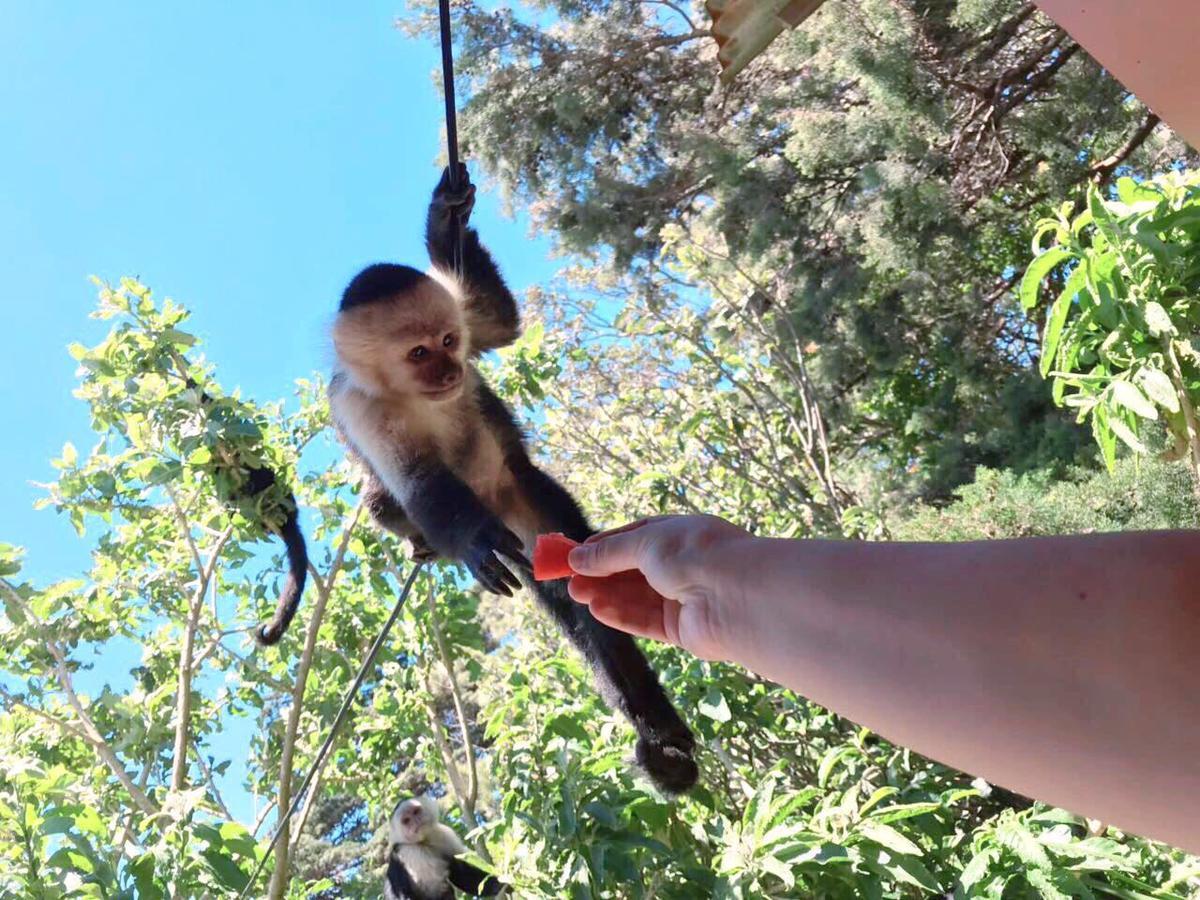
(504, 573)
(498, 576)
(514, 551)
(493, 584)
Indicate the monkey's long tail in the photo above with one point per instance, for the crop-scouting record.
(293, 586)
(665, 745)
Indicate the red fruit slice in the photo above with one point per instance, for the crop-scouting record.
(550, 557)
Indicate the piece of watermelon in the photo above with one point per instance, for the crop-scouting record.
(550, 556)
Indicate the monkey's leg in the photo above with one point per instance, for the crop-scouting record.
(622, 673)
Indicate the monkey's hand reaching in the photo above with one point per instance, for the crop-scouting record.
(480, 556)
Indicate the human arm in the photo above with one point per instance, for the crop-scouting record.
(1062, 668)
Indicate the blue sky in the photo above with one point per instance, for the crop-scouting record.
(244, 159)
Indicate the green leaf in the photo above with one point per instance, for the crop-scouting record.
(830, 760)
(909, 870)
(1189, 215)
(1157, 385)
(568, 727)
(974, 871)
(1127, 435)
(1042, 883)
(142, 870)
(1058, 316)
(714, 706)
(1129, 396)
(1158, 320)
(1038, 269)
(904, 811)
(225, 870)
(881, 794)
(1104, 436)
(1023, 844)
(601, 813)
(779, 870)
(179, 338)
(887, 836)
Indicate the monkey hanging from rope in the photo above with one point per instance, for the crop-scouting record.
(446, 464)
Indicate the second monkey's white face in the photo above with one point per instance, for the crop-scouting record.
(412, 819)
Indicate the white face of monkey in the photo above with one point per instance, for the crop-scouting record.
(409, 345)
(412, 820)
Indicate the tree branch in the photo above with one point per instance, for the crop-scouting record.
(212, 784)
(183, 698)
(282, 850)
(459, 707)
(90, 732)
(1102, 171)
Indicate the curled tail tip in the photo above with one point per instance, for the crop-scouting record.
(269, 633)
(670, 767)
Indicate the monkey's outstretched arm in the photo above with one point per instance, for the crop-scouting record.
(490, 306)
(453, 521)
(473, 880)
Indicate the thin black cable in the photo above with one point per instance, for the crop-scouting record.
(451, 123)
(347, 701)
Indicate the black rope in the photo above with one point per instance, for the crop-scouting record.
(451, 123)
(347, 701)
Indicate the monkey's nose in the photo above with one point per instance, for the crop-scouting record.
(449, 379)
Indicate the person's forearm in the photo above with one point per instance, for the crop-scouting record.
(1061, 668)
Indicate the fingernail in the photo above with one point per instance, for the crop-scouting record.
(580, 556)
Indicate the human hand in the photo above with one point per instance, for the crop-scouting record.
(671, 578)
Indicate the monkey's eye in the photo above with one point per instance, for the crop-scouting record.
(417, 353)
(448, 340)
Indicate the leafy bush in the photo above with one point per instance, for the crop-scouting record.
(476, 700)
(1121, 337)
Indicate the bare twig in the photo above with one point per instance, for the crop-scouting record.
(183, 701)
(88, 730)
(1102, 170)
(460, 710)
(282, 855)
(212, 784)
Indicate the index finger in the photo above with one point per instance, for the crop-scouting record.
(629, 526)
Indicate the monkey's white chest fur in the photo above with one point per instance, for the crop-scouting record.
(424, 866)
(390, 431)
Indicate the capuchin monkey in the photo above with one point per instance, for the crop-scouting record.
(422, 858)
(238, 482)
(446, 464)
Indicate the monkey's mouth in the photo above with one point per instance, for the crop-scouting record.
(443, 393)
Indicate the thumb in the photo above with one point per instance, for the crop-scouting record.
(609, 554)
